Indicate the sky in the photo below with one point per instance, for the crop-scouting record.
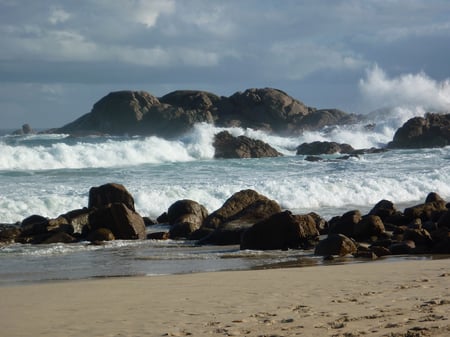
(57, 58)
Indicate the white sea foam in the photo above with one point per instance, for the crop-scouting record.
(405, 90)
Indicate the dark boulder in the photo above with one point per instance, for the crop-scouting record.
(345, 224)
(183, 207)
(384, 209)
(430, 210)
(318, 147)
(59, 237)
(403, 247)
(444, 220)
(245, 207)
(421, 237)
(185, 217)
(106, 194)
(432, 130)
(9, 233)
(280, 231)
(228, 146)
(101, 234)
(78, 219)
(123, 222)
(158, 236)
(335, 244)
(368, 227)
(227, 234)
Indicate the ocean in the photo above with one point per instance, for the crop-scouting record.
(51, 174)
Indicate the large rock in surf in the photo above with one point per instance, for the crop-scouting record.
(241, 211)
(433, 208)
(185, 216)
(244, 207)
(319, 147)
(110, 193)
(138, 112)
(228, 146)
(280, 231)
(432, 130)
(123, 222)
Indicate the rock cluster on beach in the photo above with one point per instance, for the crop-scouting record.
(250, 220)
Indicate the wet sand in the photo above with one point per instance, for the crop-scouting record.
(395, 299)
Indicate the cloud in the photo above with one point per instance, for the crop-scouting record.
(58, 15)
(405, 90)
(300, 59)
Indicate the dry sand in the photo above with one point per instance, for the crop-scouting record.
(407, 298)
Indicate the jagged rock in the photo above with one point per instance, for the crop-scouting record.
(319, 147)
(79, 220)
(432, 130)
(335, 244)
(228, 146)
(280, 231)
(106, 194)
(123, 222)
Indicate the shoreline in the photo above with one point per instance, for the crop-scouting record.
(376, 299)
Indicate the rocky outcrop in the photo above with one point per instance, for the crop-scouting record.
(138, 112)
(280, 231)
(228, 146)
(319, 147)
(432, 130)
(25, 130)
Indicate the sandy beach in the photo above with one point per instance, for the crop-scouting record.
(405, 298)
